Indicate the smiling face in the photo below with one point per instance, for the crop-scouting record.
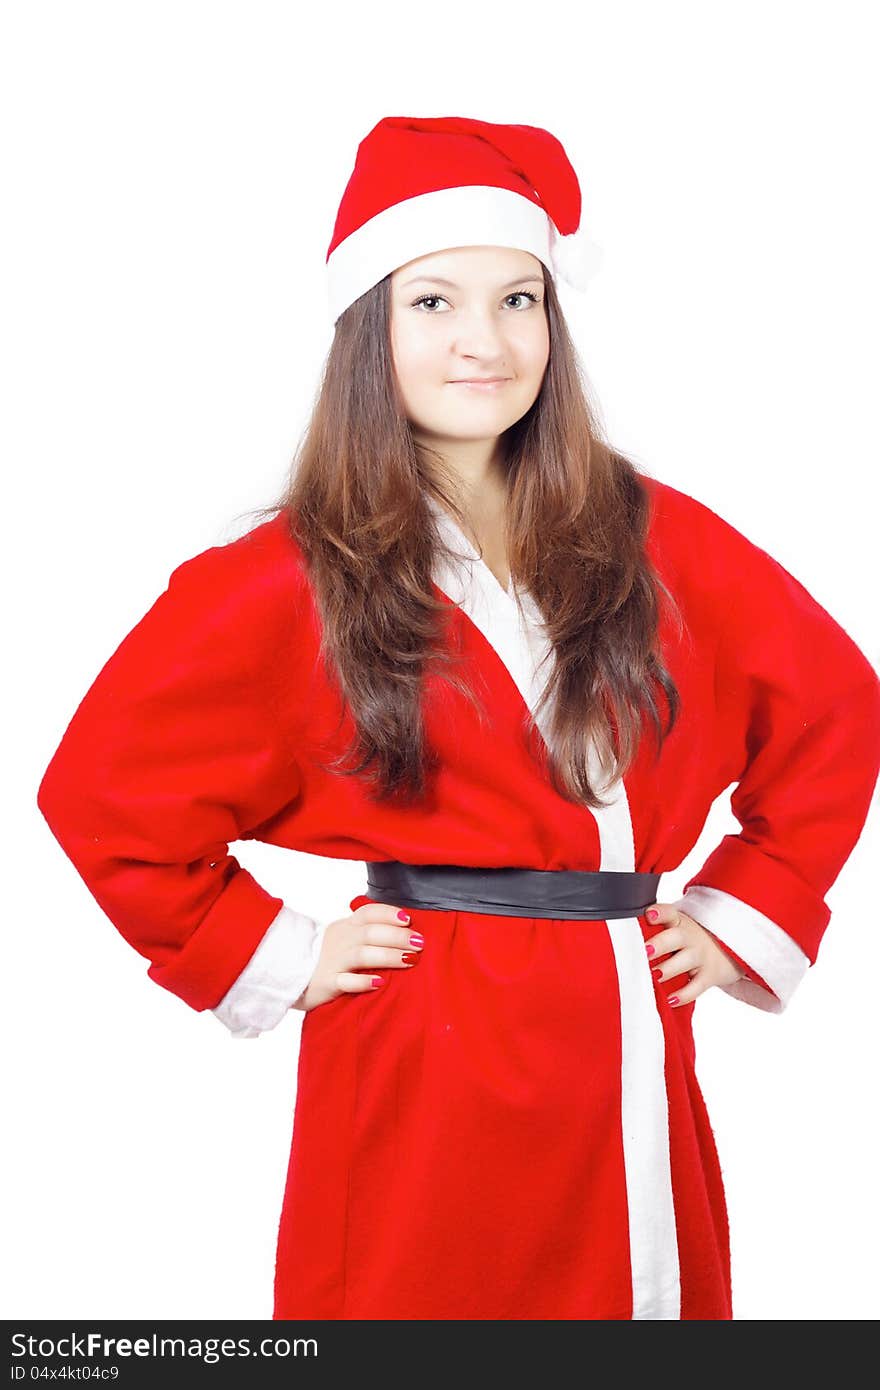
(472, 311)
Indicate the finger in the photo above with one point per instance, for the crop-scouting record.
(366, 957)
(679, 963)
(665, 919)
(351, 983)
(382, 912)
(662, 942)
(405, 938)
(661, 914)
(686, 994)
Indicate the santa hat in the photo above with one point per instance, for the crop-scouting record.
(425, 184)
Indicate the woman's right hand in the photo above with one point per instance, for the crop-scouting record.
(373, 936)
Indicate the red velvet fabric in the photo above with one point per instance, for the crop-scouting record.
(457, 1146)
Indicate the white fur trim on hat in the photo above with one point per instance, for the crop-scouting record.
(575, 258)
(468, 215)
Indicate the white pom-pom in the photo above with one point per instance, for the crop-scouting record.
(575, 258)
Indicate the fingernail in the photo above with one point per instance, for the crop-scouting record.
(658, 972)
(650, 949)
(652, 914)
(410, 960)
(673, 998)
(376, 981)
(416, 939)
(404, 916)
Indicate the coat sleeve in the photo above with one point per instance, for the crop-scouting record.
(185, 742)
(275, 978)
(799, 704)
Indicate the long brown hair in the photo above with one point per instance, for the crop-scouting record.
(576, 522)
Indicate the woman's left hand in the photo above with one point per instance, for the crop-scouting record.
(684, 947)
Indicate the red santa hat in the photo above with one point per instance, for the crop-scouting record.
(422, 184)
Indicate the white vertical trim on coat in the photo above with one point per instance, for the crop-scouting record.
(653, 1239)
(644, 1104)
(521, 644)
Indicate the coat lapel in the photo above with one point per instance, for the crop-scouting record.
(518, 638)
(517, 635)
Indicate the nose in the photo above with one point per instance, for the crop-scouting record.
(481, 337)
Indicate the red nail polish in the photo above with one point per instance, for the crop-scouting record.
(650, 949)
(657, 972)
(673, 998)
(416, 939)
(409, 959)
(652, 914)
(375, 981)
(403, 916)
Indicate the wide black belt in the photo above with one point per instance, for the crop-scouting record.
(512, 892)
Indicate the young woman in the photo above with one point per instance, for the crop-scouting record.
(476, 648)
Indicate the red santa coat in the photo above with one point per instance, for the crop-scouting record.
(512, 1129)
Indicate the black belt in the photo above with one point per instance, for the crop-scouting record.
(511, 892)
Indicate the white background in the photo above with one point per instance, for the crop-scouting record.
(171, 173)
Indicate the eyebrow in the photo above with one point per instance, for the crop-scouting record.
(451, 285)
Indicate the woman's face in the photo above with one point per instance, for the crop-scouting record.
(467, 312)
